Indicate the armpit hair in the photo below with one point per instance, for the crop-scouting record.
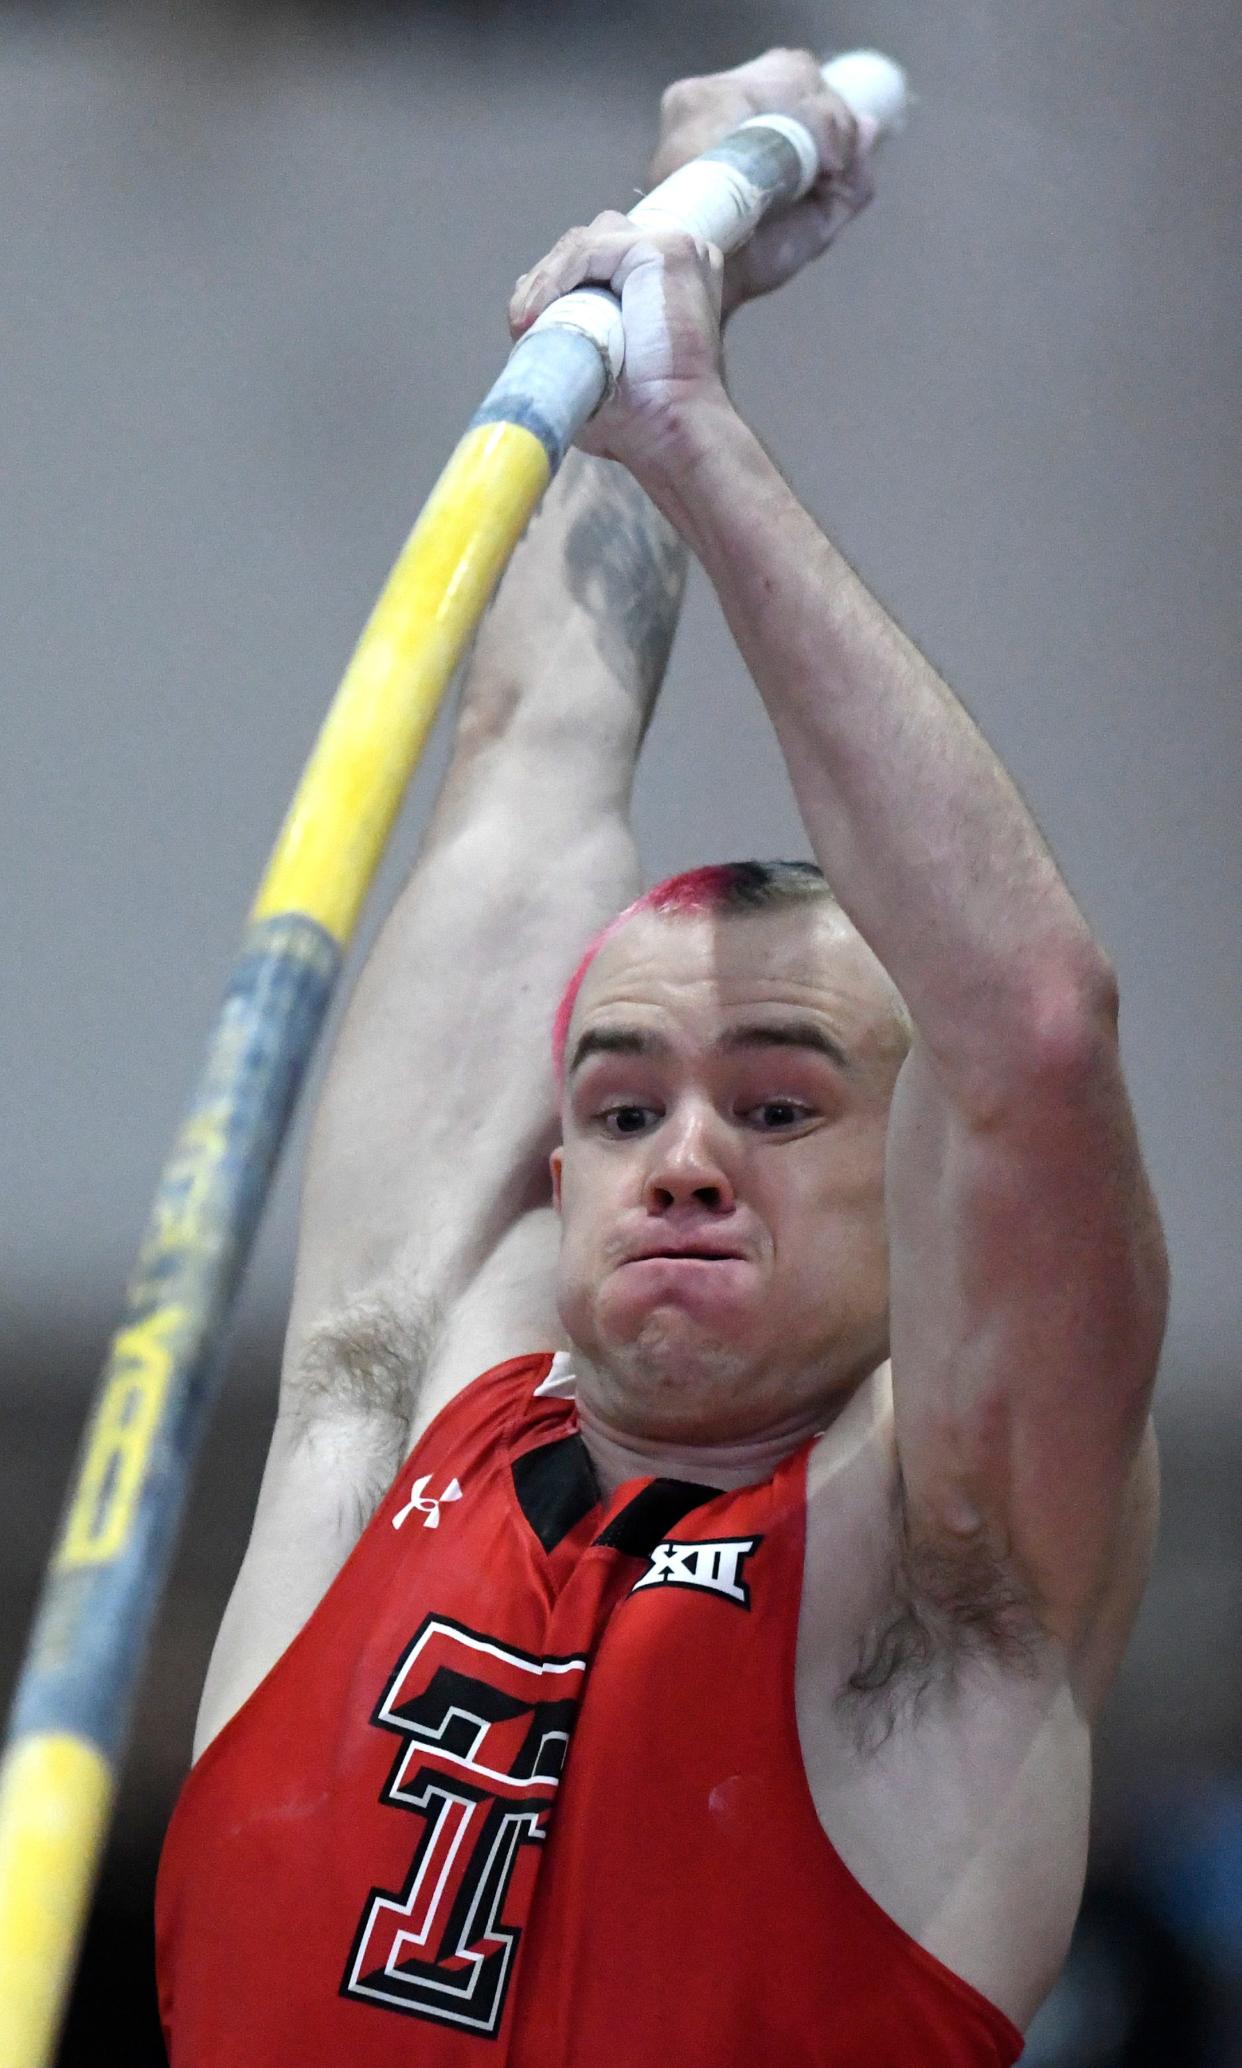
(355, 1390)
(949, 1611)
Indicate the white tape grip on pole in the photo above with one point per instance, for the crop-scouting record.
(595, 313)
(870, 84)
(712, 201)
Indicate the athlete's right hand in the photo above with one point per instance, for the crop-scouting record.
(696, 113)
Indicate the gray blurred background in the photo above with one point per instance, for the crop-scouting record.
(255, 267)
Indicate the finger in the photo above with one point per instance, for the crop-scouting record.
(590, 251)
(777, 74)
(604, 256)
(804, 236)
(696, 113)
(849, 190)
(781, 248)
(791, 82)
(608, 219)
(834, 127)
(853, 190)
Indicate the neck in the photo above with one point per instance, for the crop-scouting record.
(620, 1455)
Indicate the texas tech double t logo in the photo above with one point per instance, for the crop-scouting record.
(484, 1732)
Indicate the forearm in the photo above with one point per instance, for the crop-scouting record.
(916, 824)
(575, 644)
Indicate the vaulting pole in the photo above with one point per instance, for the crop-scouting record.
(74, 1697)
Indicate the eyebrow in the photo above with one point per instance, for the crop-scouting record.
(639, 1041)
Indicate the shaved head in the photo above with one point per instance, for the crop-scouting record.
(727, 1079)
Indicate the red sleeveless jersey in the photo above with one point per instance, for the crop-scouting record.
(526, 1792)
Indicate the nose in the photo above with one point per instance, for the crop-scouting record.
(688, 1165)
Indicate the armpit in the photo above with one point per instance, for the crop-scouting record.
(356, 1384)
(369, 1360)
(948, 1610)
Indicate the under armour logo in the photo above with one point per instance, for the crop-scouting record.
(715, 1565)
(430, 1508)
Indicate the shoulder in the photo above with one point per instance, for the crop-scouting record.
(331, 1478)
(487, 1399)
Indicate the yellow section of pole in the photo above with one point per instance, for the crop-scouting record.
(56, 1785)
(332, 839)
(55, 1799)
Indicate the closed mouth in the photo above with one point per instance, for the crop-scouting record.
(682, 1256)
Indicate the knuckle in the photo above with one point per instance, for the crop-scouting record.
(805, 65)
(564, 245)
(837, 139)
(785, 70)
(677, 96)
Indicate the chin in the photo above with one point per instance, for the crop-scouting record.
(672, 1360)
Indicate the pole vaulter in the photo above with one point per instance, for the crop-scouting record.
(74, 1697)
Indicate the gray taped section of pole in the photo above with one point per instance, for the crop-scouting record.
(766, 158)
(722, 197)
(555, 379)
(104, 1580)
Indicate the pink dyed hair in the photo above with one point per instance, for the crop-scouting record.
(720, 886)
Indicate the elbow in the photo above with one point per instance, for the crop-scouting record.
(1057, 1031)
(1071, 1016)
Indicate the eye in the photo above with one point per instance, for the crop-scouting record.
(791, 1113)
(623, 1114)
(622, 1121)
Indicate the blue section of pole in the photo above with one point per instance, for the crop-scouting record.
(119, 1530)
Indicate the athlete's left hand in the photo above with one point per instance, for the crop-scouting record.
(697, 113)
(669, 286)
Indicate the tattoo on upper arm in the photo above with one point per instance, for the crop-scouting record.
(946, 1611)
(627, 566)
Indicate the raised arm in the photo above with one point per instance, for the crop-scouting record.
(430, 1142)
(426, 1245)
(417, 1209)
(1029, 1277)
(1028, 1271)
(427, 1241)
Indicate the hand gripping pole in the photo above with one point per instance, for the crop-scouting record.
(552, 385)
(75, 1693)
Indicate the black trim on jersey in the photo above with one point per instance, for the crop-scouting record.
(645, 1521)
(556, 1486)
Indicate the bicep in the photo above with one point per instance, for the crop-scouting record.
(366, 1388)
(1029, 1290)
(325, 1475)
